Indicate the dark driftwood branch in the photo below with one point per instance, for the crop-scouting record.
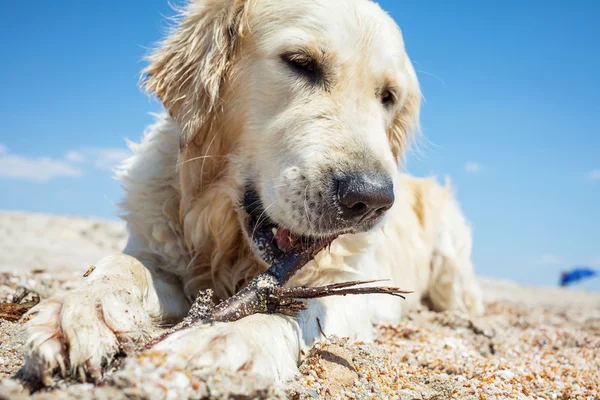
(265, 294)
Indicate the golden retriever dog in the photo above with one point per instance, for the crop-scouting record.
(285, 120)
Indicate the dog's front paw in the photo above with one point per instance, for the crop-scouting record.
(263, 345)
(80, 333)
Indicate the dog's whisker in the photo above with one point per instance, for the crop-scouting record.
(306, 208)
(199, 158)
(432, 75)
(258, 220)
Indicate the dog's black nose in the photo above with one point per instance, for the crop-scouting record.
(363, 195)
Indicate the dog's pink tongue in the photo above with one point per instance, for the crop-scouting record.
(284, 239)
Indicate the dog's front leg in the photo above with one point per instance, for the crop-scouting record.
(119, 304)
(267, 345)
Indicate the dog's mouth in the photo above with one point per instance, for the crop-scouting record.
(273, 241)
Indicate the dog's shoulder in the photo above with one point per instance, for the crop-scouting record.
(152, 196)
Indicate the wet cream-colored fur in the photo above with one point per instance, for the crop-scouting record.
(237, 113)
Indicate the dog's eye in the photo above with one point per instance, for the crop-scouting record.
(387, 98)
(302, 64)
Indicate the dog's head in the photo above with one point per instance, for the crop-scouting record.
(306, 106)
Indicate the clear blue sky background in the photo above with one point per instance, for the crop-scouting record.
(512, 115)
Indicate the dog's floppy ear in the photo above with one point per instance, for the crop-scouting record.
(187, 70)
(406, 123)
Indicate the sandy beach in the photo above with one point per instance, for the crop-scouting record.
(532, 342)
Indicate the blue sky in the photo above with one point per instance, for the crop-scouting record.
(511, 115)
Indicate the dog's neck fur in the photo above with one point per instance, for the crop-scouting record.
(220, 256)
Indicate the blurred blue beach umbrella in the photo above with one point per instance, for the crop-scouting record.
(577, 274)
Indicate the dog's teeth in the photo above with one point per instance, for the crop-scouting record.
(274, 230)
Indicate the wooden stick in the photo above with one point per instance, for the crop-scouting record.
(264, 296)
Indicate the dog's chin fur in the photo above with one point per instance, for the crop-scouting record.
(238, 114)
